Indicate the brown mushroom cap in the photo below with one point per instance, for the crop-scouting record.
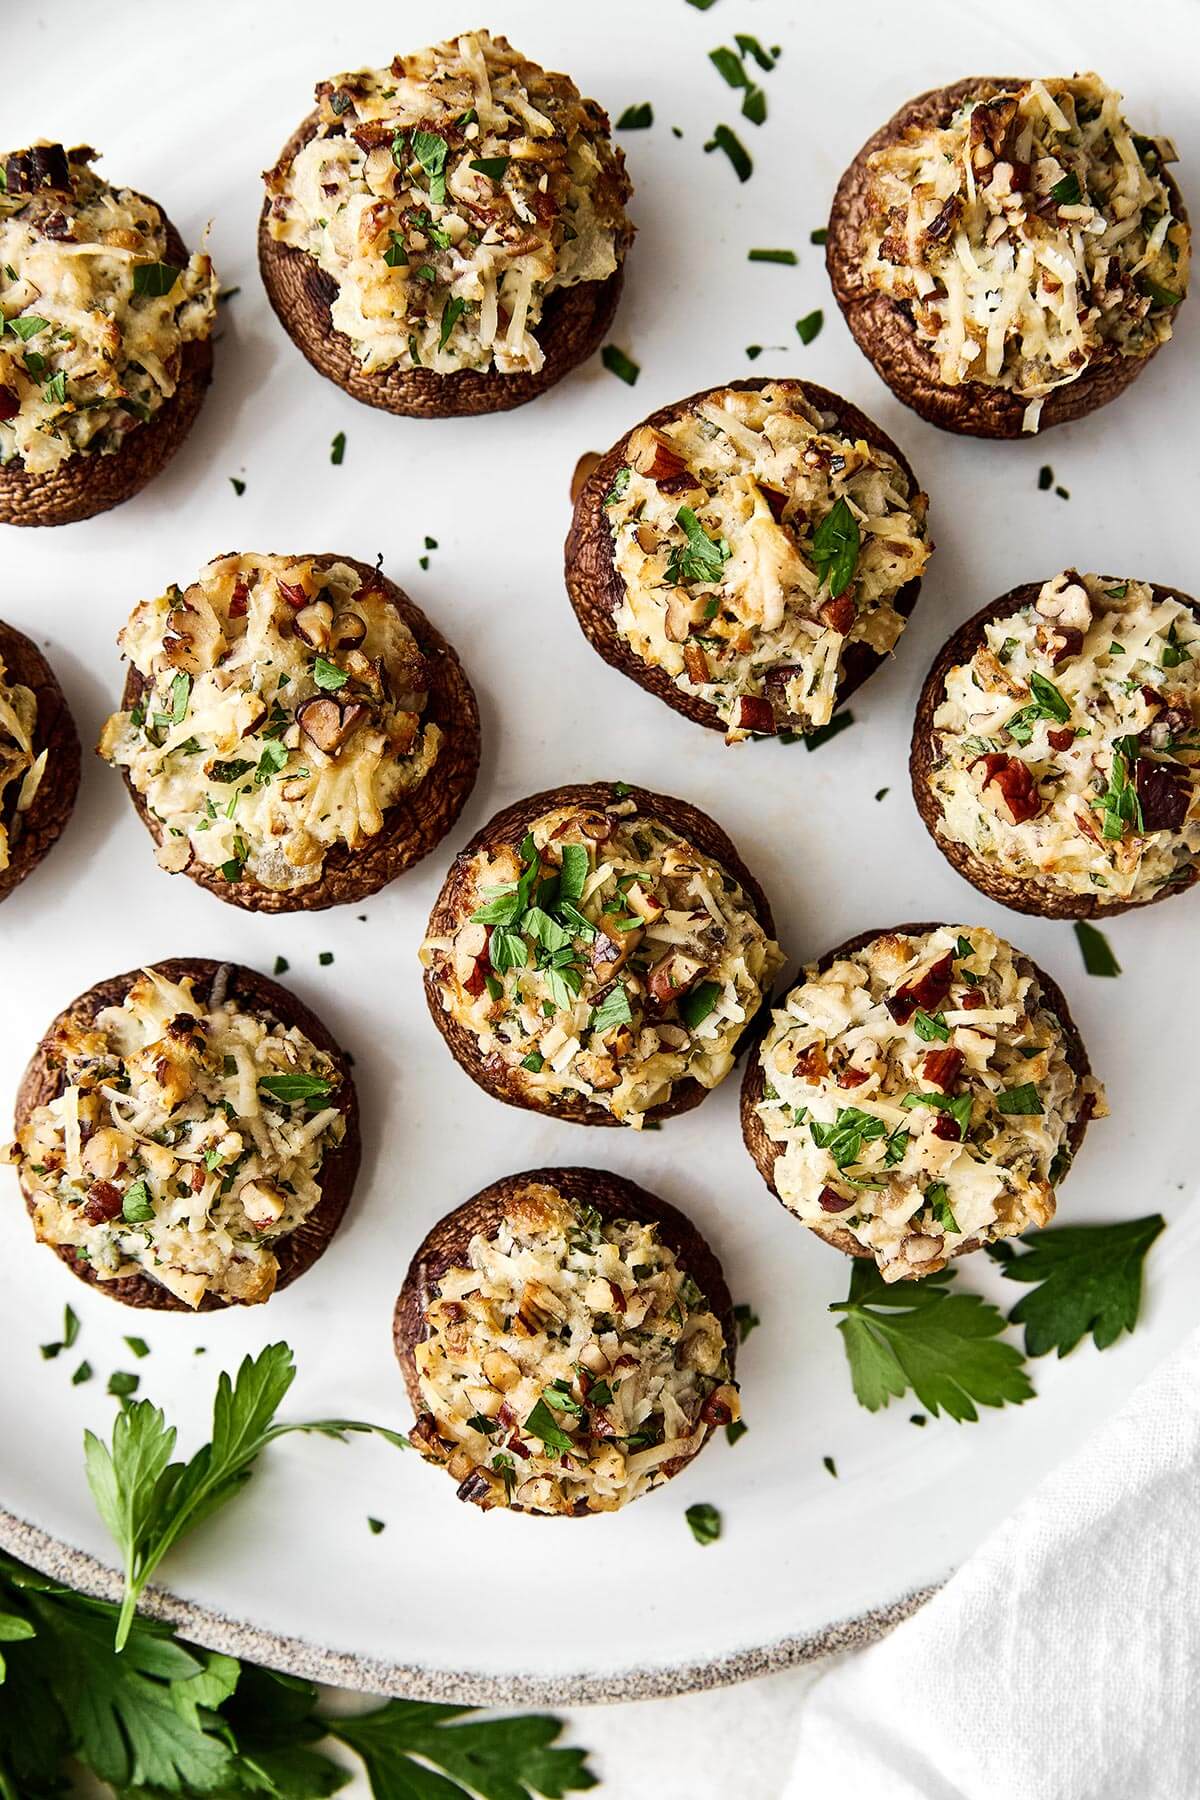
(43, 1081)
(54, 730)
(1022, 893)
(764, 1150)
(89, 483)
(597, 590)
(573, 325)
(412, 827)
(884, 332)
(452, 908)
(447, 1243)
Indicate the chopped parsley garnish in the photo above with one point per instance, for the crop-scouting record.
(135, 1205)
(819, 235)
(1119, 802)
(26, 328)
(703, 557)
(1098, 958)
(745, 1318)
(807, 329)
(325, 957)
(1048, 703)
(122, 1384)
(83, 1373)
(636, 118)
(737, 1428)
(773, 256)
(138, 1346)
(430, 152)
(880, 793)
(694, 1007)
(1022, 1099)
(337, 450)
(155, 279)
(830, 1466)
(1045, 477)
(845, 1137)
(534, 1062)
(750, 46)
(1067, 192)
(328, 676)
(374, 1526)
(620, 365)
(620, 486)
(281, 965)
(957, 1105)
(931, 1028)
(55, 390)
(1160, 297)
(704, 1520)
(238, 485)
(612, 1010)
(451, 313)
(724, 139)
(822, 734)
(292, 1088)
(937, 1198)
(542, 1424)
(835, 548)
(491, 166)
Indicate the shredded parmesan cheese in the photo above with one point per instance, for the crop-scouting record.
(20, 763)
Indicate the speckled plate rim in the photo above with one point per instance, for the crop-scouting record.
(338, 1668)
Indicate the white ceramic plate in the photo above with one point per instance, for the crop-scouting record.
(189, 105)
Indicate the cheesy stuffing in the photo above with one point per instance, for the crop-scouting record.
(22, 765)
(570, 1363)
(187, 1141)
(280, 715)
(1031, 236)
(921, 1096)
(1067, 748)
(95, 316)
(607, 957)
(720, 521)
(448, 197)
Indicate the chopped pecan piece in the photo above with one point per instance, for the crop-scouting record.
(753, 714)
(1016, 790)
(103, 1203)
(812, 1064)
(927, 991)
(942, 1067)
(831, 1201)
(839, 614)
(1165, 793)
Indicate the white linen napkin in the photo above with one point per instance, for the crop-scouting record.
(1062, 1661)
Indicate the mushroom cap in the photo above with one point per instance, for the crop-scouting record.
(596, 589)
(573, 325)
(884, 332)
(452, 907)
(1042, 898)
(412, 827)
(55, 732)
(763, 1148)
(43, 1081)
(89, 483)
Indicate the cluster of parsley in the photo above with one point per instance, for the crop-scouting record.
(537, 922)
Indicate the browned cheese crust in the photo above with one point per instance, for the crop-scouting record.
(42, 1082)
(597, 590)
(764, 1150)
(84, 485)
(447, 1243)
(55, 731)
(1021, 893)
(884, 332)
(574, 323)
(452, 907)
(412, 827)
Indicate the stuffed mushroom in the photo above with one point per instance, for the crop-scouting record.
(187, 1136)
(750, 555)
(294, 732)
(596, 953)
(1056, 753)
(105, 338)
(920, 1092)
(568, 1343)
(1009, 253)
(39, 758)
(447, 235)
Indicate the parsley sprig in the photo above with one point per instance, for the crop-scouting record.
(1089, 1279)
(166, 1718)
(149, 1502)
(918, 1335)
(702, 558)
(835, 548)
(1048, 703)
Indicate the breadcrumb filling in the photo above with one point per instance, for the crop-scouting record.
(95, 317)
(186, 1143)
(448, 196)
(1029, 237)
(281, 715)
(570, 1363)
(722, 525)
(921, 1096)
(607, 957)
(1068, 746)
(22, 768)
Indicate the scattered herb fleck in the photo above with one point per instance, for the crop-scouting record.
(705, 1522)
(238, 486)
(809, 326)
(839, 722)
(1098, 958)
(617, 363)
(773, 256)
(728, 141)
(337, 450)
(635, 118)
(830, 1465)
